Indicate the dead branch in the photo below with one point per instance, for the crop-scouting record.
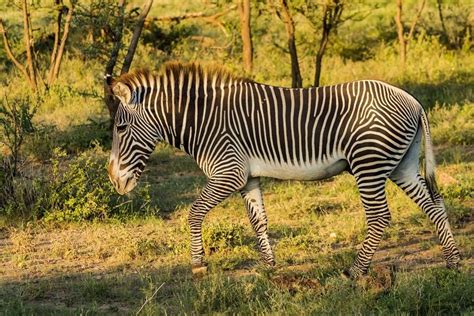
(10, 54)
(194, 15)
(150, 298)
(211, 18)
(177, 18)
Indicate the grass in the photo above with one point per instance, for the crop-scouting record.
(112, 266)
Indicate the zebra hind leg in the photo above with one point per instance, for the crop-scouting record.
(377, 216)
(415, 187)
(258, 218)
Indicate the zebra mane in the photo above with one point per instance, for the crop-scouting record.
(211, 73)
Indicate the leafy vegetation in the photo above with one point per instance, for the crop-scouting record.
(70, 245)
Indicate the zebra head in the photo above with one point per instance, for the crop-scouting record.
(134, 138)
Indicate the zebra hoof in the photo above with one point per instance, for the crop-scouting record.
(353, 273)
(346, 274)
(453, 266)
(199, 269)
(270, 263)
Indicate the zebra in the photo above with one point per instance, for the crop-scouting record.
(238, 130)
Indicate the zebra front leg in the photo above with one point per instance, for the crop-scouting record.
(378, 217)
(216, 190)
(258, 218)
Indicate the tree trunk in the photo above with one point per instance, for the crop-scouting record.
(319, 59)
(57, 32)
(415, 20)
(296, 81)
(400, 32)
(110, 101)
(137, 30)
(441, 17)
(27, 39)
(331, 18)
(12, 57)
(59, 55)
(244, 10)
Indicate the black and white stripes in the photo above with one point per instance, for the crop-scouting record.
(238, 130)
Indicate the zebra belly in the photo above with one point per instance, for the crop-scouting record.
(305, 171)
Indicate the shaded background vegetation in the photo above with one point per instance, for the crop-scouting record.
(54, 141)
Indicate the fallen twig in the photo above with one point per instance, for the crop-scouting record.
(149, 299)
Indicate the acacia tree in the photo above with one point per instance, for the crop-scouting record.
(245, 30)
(403, 39)
(29, 68)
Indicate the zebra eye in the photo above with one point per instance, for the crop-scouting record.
(122, 128)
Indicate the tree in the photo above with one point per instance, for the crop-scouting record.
(30, 70)
(331, 17)
(110, 101)
(244, 12)
(402, 39)
(285, 16)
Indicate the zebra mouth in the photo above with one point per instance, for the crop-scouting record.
(124, 187)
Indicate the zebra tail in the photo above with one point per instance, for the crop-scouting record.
(430, 164)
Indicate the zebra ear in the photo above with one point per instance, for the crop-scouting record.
(123, 92)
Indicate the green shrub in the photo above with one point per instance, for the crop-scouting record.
(83, 191)
(72, 140)
(74, 190)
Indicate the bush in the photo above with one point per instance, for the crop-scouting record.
(83, 191)
(73, 140)
(75, 190)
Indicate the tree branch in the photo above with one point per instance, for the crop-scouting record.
(118, 32)
(136, 36)
(59, 56)
(29, 57)
(56, 41)
(10, 54)
(296, 81)
(415, 20)
(441, 18)
(193, 15)
(400, 32)
(109, 99)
